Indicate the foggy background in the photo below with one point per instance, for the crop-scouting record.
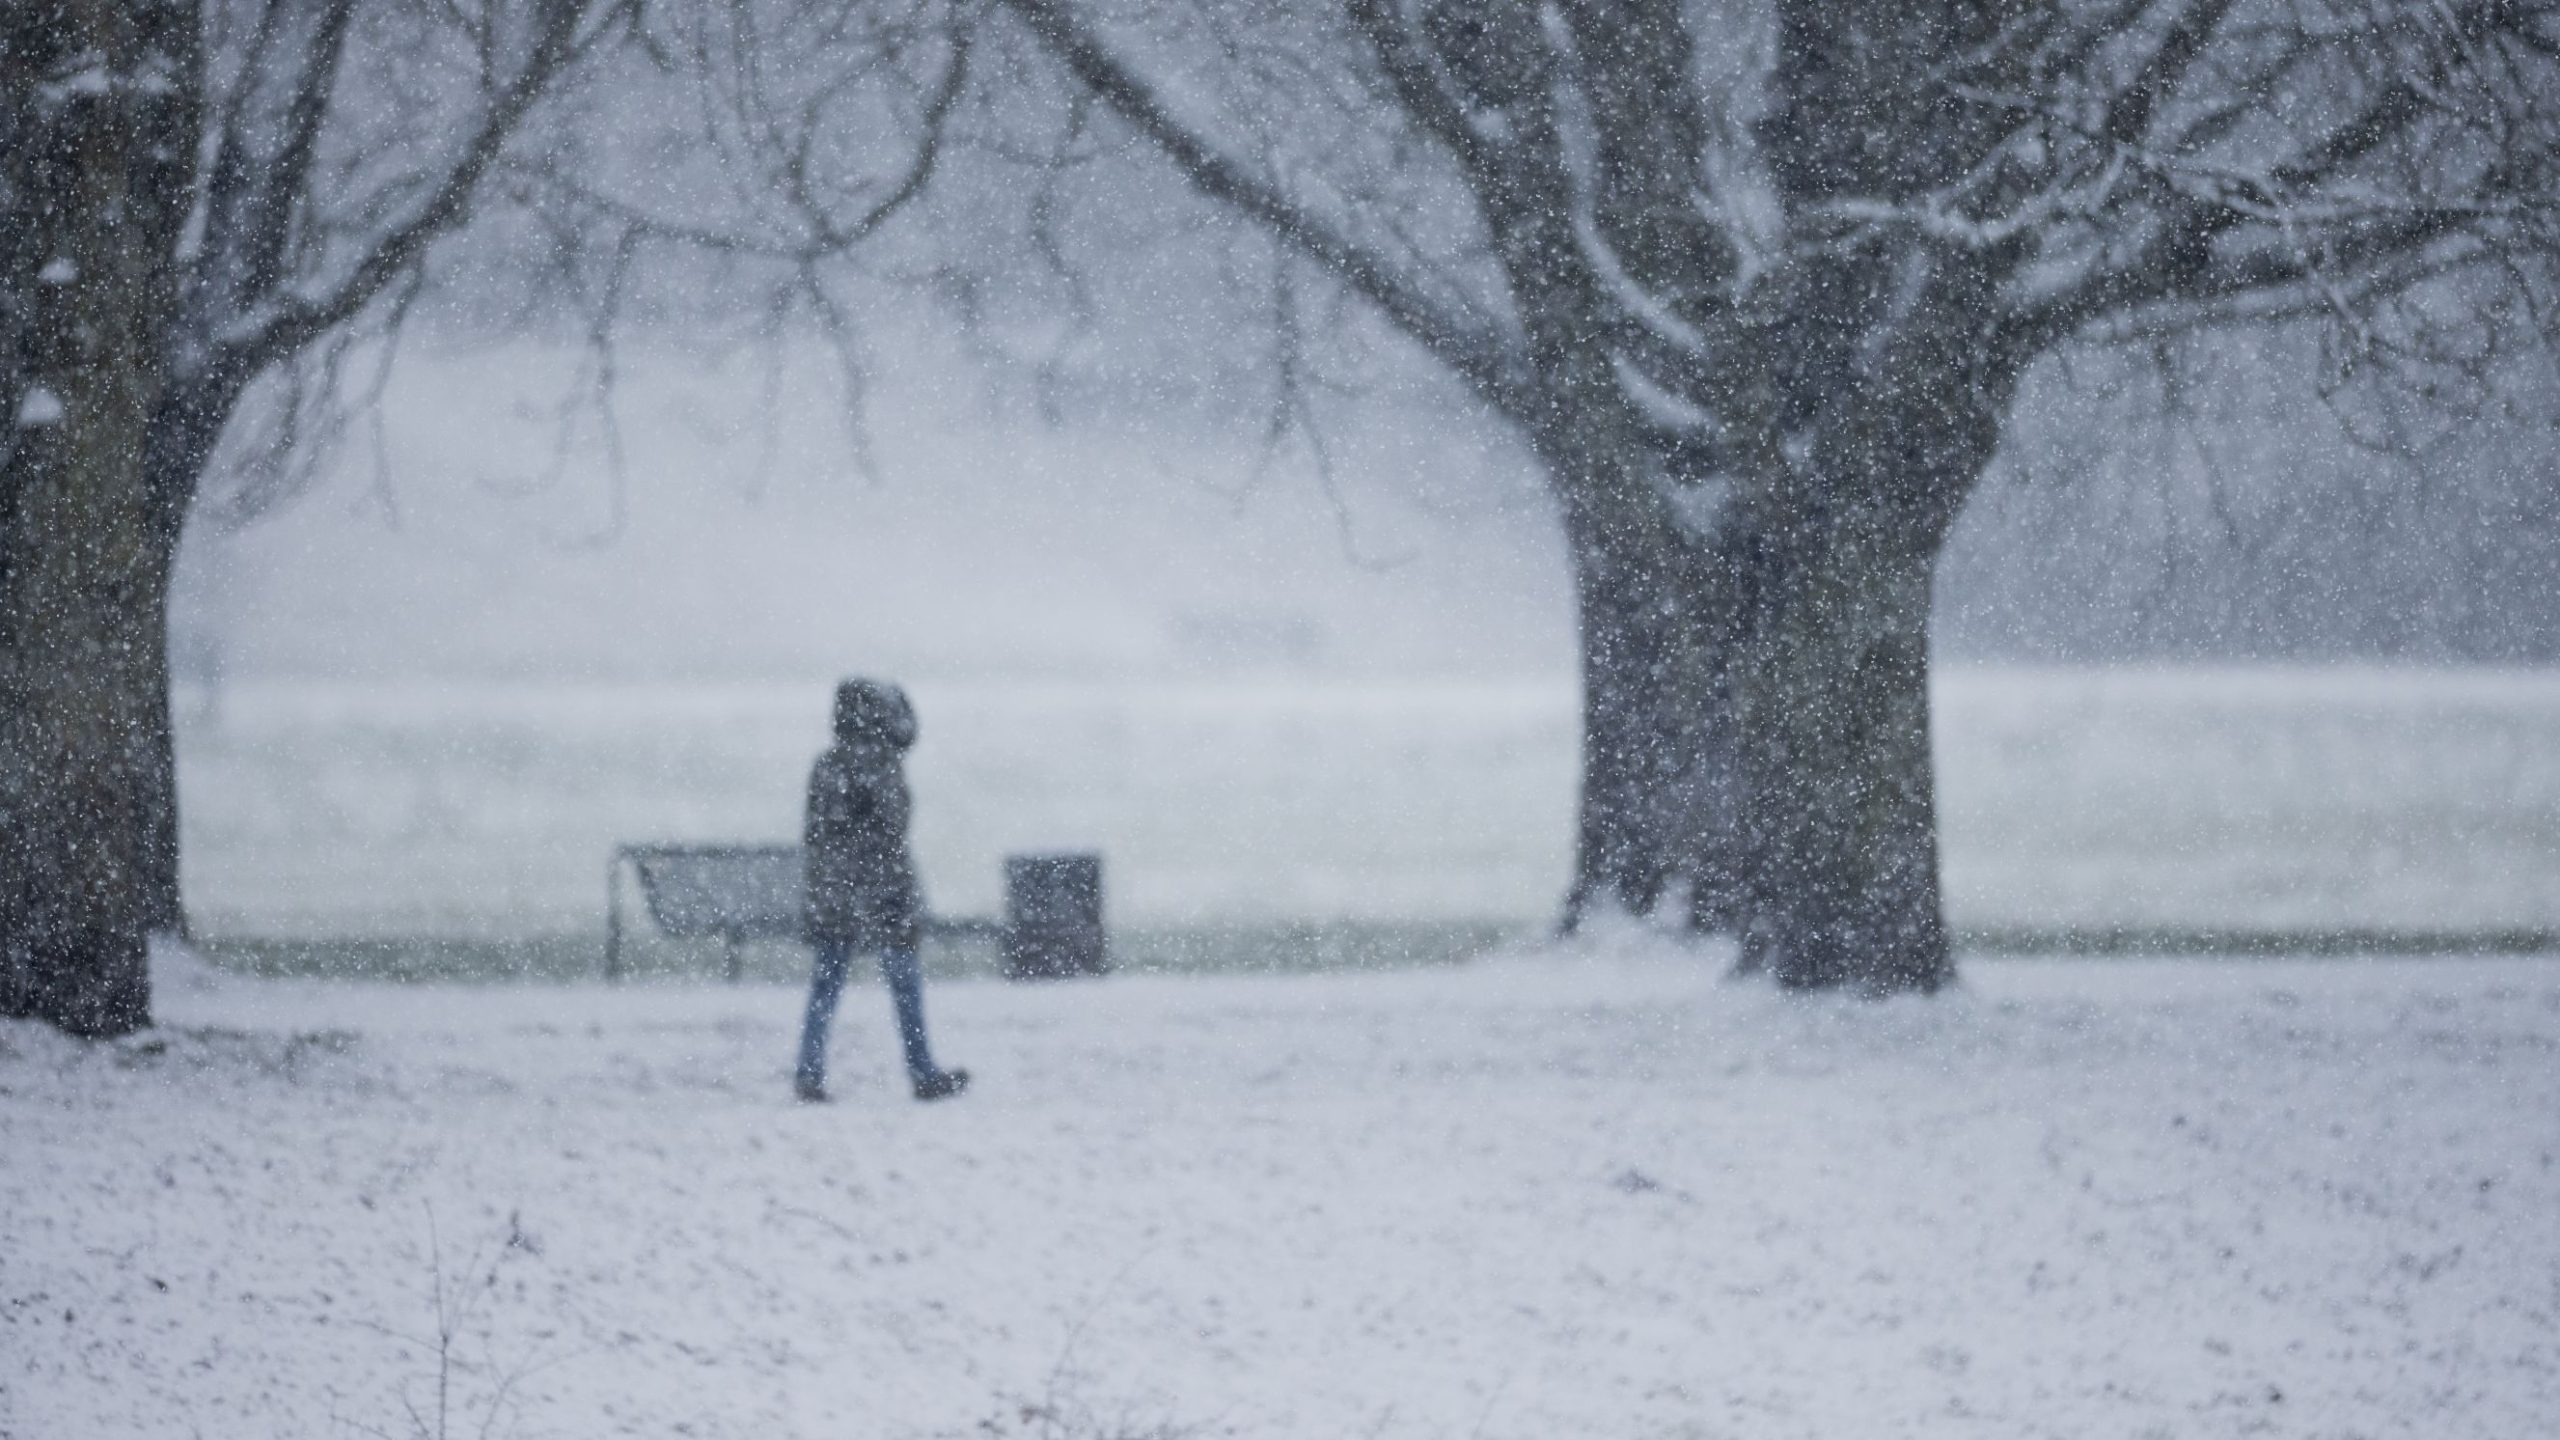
(426, 696)
(744, 540)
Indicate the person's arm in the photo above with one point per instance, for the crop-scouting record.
(829, 810)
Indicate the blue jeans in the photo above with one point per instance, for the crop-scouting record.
(905, 974)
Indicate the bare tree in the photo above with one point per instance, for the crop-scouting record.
(195, 192)
(197, 196)
(1759, 285)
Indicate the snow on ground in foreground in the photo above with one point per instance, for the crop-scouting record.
(1534, 1196)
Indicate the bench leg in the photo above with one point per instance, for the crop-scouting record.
(737, 956)
(613, 921)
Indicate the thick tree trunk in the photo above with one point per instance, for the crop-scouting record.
(84, 685)
(162, 901)
(84, 565)
(1704, 838)
(1657, 812)
(1621, 861)
(184, 430)
(1862, 438)
(1831, 570)
(1839, 781)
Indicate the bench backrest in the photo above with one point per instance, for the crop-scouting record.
(737, 891)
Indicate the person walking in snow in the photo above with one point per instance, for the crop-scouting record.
(861, 892)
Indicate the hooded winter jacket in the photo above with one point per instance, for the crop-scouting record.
(861, 879)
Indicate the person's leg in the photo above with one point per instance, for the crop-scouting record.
(904, 971)
(826, 986)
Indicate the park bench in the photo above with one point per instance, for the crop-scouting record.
(737, 893)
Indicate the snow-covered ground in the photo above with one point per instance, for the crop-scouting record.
(2276, 798)
(1597, 1193)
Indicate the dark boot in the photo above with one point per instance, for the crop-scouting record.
(941, 1084)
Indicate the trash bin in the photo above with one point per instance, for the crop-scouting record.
(1053, 916)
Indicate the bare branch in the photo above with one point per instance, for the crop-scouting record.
(1650, 131)
(1470, 347)
(2129, 114)
(928, 152)
(1409, 68)
(2311, 233)
(279, 329)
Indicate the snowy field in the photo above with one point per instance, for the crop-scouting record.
(1534, 1196)
(2271, 799)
